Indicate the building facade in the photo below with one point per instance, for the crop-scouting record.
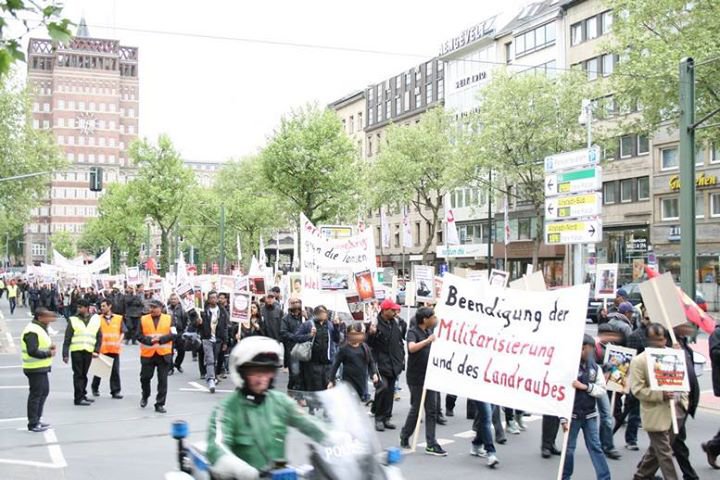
(351, 110)
(87, 94)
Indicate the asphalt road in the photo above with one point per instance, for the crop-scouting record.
(116, 439)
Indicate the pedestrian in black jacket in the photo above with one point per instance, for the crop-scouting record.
(213, 329)
(37, 353)
(179, 320)
(272, 314)
(288, 326)
(679, 448)
(134, 304)
(386, 340)
(712, 447)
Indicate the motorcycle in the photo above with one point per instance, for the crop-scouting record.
(352, 451)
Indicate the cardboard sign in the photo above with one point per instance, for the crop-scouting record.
(617, 360)
(534, 282)
(662, 302)
(296, 285)
(520, 349)
(101, 366)
(423, 276)
(606, 280)
(667, 370)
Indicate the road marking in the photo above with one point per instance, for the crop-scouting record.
(54, 449)
(8, 387)
(440, 441)
(11, 366)
(468, 434)
(198, 387)
(16, 419)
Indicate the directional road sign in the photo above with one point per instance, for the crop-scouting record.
(572, 160)
(569, 232)
(584, 205)
(585, 180)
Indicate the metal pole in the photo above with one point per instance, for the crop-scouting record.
(490, 229)
(147, 242)
(688, 259)
(7, 249)
(177, 245)
(20, 177)
(222, 238)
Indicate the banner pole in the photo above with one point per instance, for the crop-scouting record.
(421, 413)
(563, 452)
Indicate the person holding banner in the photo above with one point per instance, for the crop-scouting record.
(419, 339)
(113, 330)
(656, 413)
(589, 386)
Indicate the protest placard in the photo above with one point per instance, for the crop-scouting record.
(364, 285)
(667, 370)
(296, 285)
(226, 284)
(606, 280)
(334, 279)
(187, 296)
(240, 311)
(519, 349)
(498, 278)
(617, 364)
(133, 275)
(257, 285)
(410, 292)
(423, 276)
(661, 300)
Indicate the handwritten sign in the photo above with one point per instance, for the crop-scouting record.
(520, 349)
(318, 252)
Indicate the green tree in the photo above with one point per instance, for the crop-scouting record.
(651, 37)
(64, 244)
(415, 167)
(312, 164)
(24, 16)
(23, 150)
(119, 225)
(162, 187)
(521, 120)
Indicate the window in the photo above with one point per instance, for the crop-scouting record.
(669, 158)
(39, 249)
(388, 111)
(715, 205)
(536, 39)
(351, 124)
(626, 194)
(643, 145)
(406, 102)
(699, 155)
(606, 19)
(609, 193)
(591, 28)
(524, 228)
(429, 94)
(592, 68)
(699, 205)
(417, 234)
(508, 52)
(360, 121)
(669, 209)
(441, 89)
(369, 147)
(378, 111)
(643, 188)
(398, 105)
(608, 64)
(715, 153)
(418, 99)
(626, 145)
(61, 104)
(428, 69)
(576, 37)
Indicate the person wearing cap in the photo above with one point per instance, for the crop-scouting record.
(621, 321)
(386, 338)
(272, 314)
(156, 335)
(589, 386)
(83, 339)
(37, 353)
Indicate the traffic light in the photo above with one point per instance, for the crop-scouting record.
(96, 178)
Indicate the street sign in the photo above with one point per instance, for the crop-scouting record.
(586, 205)
(569, 232)
(571, 160)
(577, 181)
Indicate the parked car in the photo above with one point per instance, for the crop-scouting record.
(595, 305)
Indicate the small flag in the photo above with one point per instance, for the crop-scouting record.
(452, 232)
(384, 229)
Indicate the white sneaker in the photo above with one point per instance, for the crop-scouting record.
(493, 461)
(512, 428)
(477, 451)
(211, 385)
(520, 423)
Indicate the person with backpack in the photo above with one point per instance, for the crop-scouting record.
(356, 361)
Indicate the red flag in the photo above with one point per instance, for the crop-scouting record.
(151, 266)
(693, 313)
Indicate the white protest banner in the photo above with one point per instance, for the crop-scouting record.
(520, 349)
(101, 366)
(606, 280)
(353, 253)
(423, 276)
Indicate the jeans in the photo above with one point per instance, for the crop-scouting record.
(13, 304)
(211, 351)
(295, 375)
(633, 420)
(431, 408)
(589, 427)
(66, 312)
(606, 423)
(483, 426)
(498, 425)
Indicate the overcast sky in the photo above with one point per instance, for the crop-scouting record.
(219, 99)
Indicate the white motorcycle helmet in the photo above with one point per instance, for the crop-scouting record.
(255, 351)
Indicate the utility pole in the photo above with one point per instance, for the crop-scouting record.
(688, 260)
(490, 229)
(222, 238)
(177, 245)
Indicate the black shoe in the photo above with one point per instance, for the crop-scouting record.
(88, 399)
(171, 373)
(83, 403)
(143, 402)
(46, 425)
(379, 426)
(441, 421)
(390, 426)
(179, 369)
(613, 455)
(404, 443)
(546, 453)
(501, 441)
(160, 409)
(449, 412)
(37, 429)
(96, 393)
(555, 451)
(116, 396)
(711, 458)
(435, 450)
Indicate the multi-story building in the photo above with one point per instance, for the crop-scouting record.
(351, 110)
(86, 93)
(205, 172)
(402, 99)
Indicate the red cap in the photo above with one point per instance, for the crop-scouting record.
(388, 304)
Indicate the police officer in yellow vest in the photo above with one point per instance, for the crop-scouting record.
(37, 353)
(113, 331)
(83, 339)
(156, 335)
